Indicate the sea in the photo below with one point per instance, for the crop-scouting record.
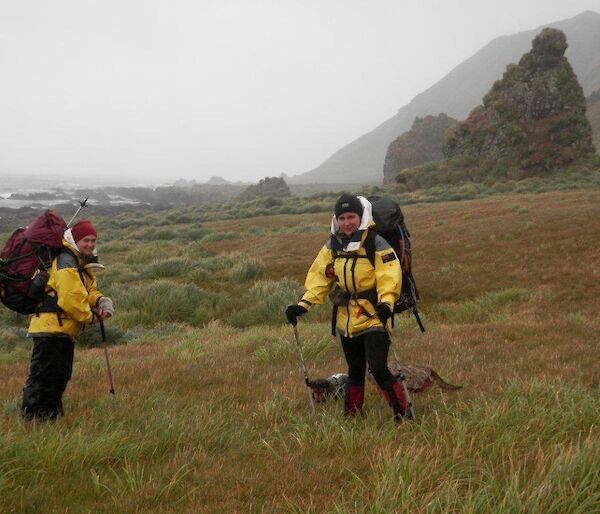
(30, 185)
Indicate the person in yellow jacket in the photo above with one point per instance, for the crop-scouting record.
(363, 296)
(71, 301)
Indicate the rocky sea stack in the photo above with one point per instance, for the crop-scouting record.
(535, 116)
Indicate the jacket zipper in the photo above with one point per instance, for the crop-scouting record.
(347, 306)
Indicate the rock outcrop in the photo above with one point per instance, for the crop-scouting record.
(534, 116)
(269, 187)
(593, 115)
(423, 143)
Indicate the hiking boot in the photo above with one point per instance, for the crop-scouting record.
(354, 400)
(396, 399)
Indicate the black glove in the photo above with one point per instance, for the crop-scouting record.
(384, 312)
(292, 312)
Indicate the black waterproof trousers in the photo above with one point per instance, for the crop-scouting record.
(368, 349)
(50, 371)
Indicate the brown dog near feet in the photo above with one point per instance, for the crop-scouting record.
(421, 378)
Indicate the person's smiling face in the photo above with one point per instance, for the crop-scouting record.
(348, 222)
(87, 245)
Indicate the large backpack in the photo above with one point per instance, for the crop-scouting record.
(25, 260)
(390, 225)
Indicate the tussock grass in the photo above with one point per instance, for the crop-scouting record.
(199, 276)
(10, 318)
(512, 457)
(164, 301)
(491, 306)
(91, 335)
(14, 347)
(119, 274)
(141, 256)
(246, 269)
(281, 350)
(265, 303)
(197, 342)
(165, 268)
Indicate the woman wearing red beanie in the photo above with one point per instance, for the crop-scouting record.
(71, 301)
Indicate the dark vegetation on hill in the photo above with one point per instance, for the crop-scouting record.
(447, 179)
(267, 188)
(534, 117)
(593, 115)
(423, 143)
(174, 195)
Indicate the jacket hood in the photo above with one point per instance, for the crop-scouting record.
(365, 222)
(69, 241)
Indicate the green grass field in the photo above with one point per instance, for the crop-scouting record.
(211, 413)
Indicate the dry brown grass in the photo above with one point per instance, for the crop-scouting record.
(237, 431)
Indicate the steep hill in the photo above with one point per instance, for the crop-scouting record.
(423, 143)
(457, 94)
(534, 116)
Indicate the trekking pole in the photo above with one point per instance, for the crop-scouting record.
(297, 336)
(81, 206)
(105, 344)
(415, 301)
(416, 314)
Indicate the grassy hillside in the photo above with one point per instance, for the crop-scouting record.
(211, 414)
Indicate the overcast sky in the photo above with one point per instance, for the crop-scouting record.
(154, 90)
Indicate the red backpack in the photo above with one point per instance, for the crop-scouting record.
(25, 260)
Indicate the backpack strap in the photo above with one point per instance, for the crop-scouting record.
(334, 313)
(64, 259)
(370, 246)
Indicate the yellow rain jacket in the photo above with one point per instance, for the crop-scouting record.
(74, 290)
(353, 273)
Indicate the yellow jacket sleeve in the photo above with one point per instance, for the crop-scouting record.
(317, 284)
(72, 295)
(388, 275)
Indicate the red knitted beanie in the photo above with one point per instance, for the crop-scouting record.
(83, 229)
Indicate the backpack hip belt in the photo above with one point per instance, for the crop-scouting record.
(343, 297)
(346, 296)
